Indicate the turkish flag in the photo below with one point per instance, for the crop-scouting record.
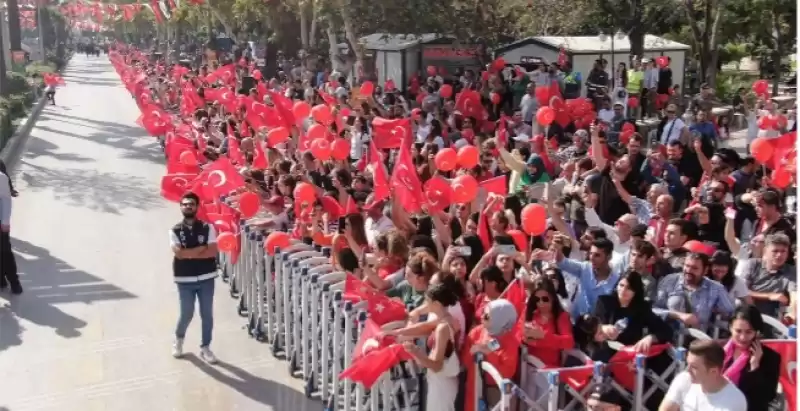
(495, 185)
(788, 377)
(283, 105)
(226, 73)
(174, 186)
(373, 355)
(622, 364)
(381, 308)
(222, 177)
(406, 184)
(388, 134)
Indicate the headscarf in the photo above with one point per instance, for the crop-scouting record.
(502, 317)
(540, 176)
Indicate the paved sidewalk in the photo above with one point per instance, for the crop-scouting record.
(93, 330)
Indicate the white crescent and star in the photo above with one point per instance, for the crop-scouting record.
(222, 178)
(369, 345)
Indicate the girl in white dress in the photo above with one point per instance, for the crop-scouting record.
(442, 360)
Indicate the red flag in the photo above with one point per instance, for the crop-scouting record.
(406, 184)
(351, 207)
(222, 177)
(226, 73)
(174, 186)
(388, 134)
(623, 367)
(495, 185)
(381, 309)
(371, 366)
(788, 377)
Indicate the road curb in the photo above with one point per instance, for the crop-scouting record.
(13, 148)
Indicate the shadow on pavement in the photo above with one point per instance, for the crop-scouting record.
(40, 147)
(267, 392)
(136, 147)
(49, 281)
(99, 191)
(58, 116)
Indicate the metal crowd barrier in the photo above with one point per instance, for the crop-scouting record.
(293, 300)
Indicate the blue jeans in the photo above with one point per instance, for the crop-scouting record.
(204, 292)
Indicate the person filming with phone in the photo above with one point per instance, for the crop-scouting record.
(754, 368)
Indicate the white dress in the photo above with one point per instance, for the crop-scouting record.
(443, 385)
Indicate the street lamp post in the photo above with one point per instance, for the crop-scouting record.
(603, 37)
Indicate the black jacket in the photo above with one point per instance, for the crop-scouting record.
(760, 386)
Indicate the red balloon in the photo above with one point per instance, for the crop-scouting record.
(367, 88)
(431, 71)
(545, 116)
(276, 240)
(534, 219)
(301, 110)
(760, 86)
(629, 127)
(226, 242)
(277, 136)
(761, 150)
(780, 122)
(662, 62)
(304, 193)
(446, 91)
(257, 75)
(316, 131)
(438, 193)
(468, 156)
(188, 158)
(563, 119)
(446, 159)
(249, 203)
(321, 149)
(542, 95)
(557, 103)
(633, 102)
(340, 149)
(465, 188)
(495, 98)
(781, 178)
(322, 114)
(499, 64)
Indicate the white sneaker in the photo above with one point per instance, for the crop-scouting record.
(177, 348)
(207, 355)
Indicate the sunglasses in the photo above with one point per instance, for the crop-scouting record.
(537, 300)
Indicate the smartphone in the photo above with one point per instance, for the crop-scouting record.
(493, 345)
(507, 249)
(463, 251)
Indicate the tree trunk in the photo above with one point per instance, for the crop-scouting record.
(312, 31)
(636, 38)
(352, 39)
(303, 25)
(707, 38)
(776, 51)
(14, 34)
(333, 48)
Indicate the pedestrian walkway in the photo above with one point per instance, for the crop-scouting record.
(93, 330)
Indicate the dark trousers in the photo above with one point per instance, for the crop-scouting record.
(8, 265)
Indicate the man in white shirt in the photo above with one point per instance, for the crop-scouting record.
(376, 222)
(674, 128)
(703, 387)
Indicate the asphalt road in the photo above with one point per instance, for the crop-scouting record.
(93, 330)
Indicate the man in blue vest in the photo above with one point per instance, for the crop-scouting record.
(195, 269)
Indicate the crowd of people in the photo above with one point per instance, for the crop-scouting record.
(546, 224)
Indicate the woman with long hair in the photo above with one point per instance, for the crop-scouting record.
(722, 270)
(751, 366)
(442, 361)
(548, 328)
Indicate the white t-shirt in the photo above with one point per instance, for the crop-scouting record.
(690, 397)
(372, 228)
(357, 141)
